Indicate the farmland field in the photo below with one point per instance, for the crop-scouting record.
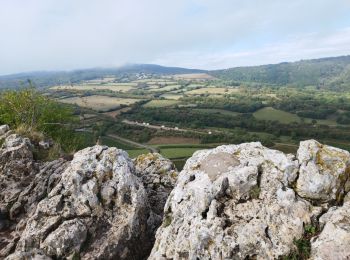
(136, 152)
(112, 87)
(161, 103)
(271, 114)
(171, 96)
(237, 114)
(166, 88)
(99, 103)
(173, 153)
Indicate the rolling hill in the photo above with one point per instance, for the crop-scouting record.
(50, 78)
(327, 73)
(331, 73)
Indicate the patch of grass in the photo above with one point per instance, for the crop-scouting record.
(32, 134)
(271, 114)
(179, 164)
(178, 152)
(136, 152)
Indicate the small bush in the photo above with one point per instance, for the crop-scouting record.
(35, 116)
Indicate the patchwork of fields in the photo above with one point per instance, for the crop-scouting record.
(180, 114)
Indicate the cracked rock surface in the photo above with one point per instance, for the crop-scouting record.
(334, 240)
(240, 202)
(232, 202)
(96, 211)
(23, 183)
(158, 176)
(94, 207)
(324, 172)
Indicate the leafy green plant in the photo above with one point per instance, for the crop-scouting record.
(303, 245)
(35, 115)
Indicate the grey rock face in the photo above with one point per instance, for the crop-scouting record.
(158, 175)
(23, 184)
(98, 210)
(94, 207)
(334, 240)
(324, 172)
(231, 202)
(238, 202)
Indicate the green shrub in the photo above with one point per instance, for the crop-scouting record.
(35, 115)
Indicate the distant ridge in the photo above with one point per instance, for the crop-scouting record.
(49, 78)
(329, 73)
(333, 72)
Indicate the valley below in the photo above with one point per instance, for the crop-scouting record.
(177, 114)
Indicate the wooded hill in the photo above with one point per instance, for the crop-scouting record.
(330, 73)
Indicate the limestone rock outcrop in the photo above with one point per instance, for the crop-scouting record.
(239, 202)
(323, 172)
(94, 207)
(98, 210)
(334, 240)
(232, 202)
(23, 184)
(158, 176)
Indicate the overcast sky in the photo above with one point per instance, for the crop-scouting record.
(206, 34)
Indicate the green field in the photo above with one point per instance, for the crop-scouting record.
(271, 114)
(161, 103)
(111, 142)
(136, 152)
(173, 153)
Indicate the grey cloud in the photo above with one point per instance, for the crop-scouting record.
(49, 34)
